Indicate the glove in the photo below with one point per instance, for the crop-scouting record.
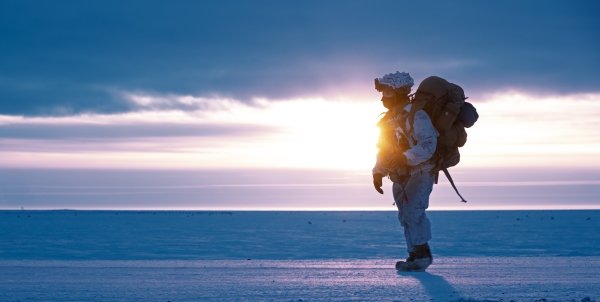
(378, 182)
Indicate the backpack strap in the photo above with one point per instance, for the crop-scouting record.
(415, 106)
(452, 183)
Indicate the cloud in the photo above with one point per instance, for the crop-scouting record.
(127, 131)
(153, 102)
(160, 125)
(73, 57)
(523, 130)
(155, 116)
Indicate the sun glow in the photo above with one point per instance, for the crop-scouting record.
(514, 129)
(312, 133)
(321, 134)
(299, 133)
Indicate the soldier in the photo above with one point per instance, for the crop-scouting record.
(404, 153)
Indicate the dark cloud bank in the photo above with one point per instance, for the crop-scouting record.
(68, 57)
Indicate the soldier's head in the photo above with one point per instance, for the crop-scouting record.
(395, 88)
(389, 99)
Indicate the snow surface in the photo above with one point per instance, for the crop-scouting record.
(295, 256)
(450, 279)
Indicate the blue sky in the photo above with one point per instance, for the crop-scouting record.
(285, 86)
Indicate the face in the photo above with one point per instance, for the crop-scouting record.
(389, 99)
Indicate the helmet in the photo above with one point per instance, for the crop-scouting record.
(399, 82)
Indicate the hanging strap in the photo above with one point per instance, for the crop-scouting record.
(452, 183)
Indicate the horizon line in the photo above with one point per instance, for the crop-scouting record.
(310, 209)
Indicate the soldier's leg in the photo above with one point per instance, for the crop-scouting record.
(400, 199)
(417, 189)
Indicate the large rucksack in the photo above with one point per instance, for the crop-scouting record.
(445, 104)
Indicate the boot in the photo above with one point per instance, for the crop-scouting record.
(411, 257)
(423, 251)
(421, 261)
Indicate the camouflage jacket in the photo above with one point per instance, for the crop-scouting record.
(417, 142)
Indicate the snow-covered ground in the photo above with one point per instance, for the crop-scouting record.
(450, 279)
(293, 256)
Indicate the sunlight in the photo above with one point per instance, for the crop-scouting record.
(305, 133)
(312, 133)
(317, 134)
(514, 129)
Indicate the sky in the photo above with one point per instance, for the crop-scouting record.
(196, 93)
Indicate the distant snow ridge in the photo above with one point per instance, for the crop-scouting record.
(397, 80)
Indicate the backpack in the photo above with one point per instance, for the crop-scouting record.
(445, 104)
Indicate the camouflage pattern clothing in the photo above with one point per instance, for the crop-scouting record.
(413, 182)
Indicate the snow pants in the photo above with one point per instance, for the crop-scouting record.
(412, 199)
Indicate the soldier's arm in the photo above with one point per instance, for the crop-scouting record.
(426, 140)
